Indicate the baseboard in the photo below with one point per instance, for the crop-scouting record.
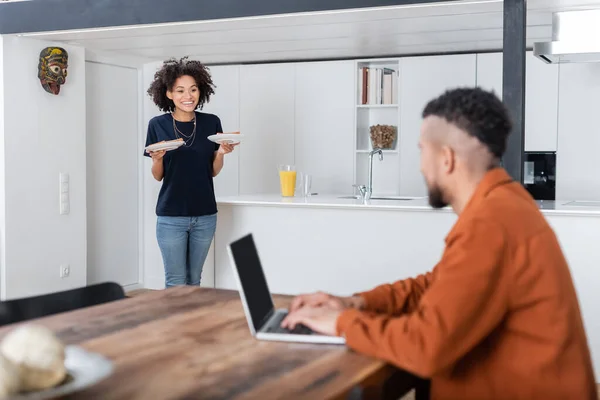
(154, 282)
(135, 286)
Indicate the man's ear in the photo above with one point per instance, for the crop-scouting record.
(449, 159)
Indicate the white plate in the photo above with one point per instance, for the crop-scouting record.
(229, 138)
(164, 146)
(84, 369)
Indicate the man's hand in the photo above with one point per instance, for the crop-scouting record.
(321, 319)
(320, 299)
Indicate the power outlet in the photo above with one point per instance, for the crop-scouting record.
(64, 271)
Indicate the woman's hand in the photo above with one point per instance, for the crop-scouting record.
(157, 155)
(158, 170)
(226, 148)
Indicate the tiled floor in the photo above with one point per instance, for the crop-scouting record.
(409, 396)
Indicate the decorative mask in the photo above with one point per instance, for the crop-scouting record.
(52, 68)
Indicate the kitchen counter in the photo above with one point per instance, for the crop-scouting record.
(342, 246)
(566, 207)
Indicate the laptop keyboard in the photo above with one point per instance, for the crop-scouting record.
(298, 329)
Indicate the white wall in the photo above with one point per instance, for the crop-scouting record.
(2, 180)
(154, 276)
(44, 135)
(113, 154)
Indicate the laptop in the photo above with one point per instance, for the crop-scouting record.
(263, 319)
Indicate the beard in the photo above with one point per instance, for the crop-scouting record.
(436, 197)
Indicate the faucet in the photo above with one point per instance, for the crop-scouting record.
(367, 191)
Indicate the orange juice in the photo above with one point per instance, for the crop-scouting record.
(288, 183)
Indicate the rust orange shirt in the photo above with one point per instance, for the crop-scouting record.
(497, 318)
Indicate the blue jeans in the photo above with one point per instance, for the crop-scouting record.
(184, 243)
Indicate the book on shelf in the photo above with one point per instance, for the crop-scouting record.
(377, 86)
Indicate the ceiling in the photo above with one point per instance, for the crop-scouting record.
(359, 33)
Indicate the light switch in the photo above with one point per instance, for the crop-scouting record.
(64, 193)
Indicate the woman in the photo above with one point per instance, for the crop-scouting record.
(186, 207)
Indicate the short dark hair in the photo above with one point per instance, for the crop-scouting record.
(478, 112)
(172, 69)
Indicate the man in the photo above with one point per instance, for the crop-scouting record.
(498, 316)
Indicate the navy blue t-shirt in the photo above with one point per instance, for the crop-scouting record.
(187, 189)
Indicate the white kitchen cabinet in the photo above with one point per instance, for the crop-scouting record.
(578, 132)
(541, 107)
(421, 80)
(267, 111)
(324, 114)
(541, 97)
(489, 72)
(225, 103)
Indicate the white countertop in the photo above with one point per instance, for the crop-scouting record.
(567, 207)
(327, 201)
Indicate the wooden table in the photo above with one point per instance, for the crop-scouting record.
(194, 343)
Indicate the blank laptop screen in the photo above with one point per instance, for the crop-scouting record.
(252, 279)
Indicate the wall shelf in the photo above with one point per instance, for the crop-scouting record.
(377, 106)
(377, 103)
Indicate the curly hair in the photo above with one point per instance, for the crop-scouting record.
(172, 69)
(478, 112)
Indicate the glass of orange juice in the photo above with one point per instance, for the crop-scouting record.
(287, 180)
